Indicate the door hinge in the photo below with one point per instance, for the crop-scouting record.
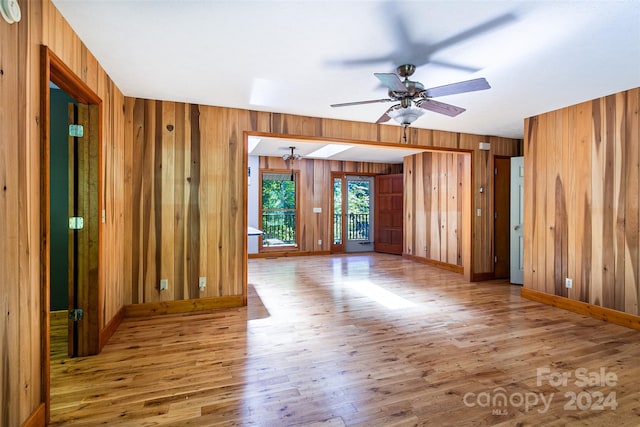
(76, 131)
(76, 314)
(495, 259)
(76, 223)
(495, 171)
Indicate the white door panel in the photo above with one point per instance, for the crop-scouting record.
(517, 220)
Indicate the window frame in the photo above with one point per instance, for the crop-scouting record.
(296, 178)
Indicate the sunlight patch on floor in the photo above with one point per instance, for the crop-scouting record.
(379, 295)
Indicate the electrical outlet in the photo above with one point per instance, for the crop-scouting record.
(319, 242)
(568, 283)
(202, 283)
(164, 284)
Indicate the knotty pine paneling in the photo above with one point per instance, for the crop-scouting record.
(581, 202)
(434, 191)
(316, 190)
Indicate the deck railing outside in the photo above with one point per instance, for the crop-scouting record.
(278, 228)
(357, 227)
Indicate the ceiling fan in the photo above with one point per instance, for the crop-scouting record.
(414, 99)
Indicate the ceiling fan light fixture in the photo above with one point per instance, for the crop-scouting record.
(406, 116)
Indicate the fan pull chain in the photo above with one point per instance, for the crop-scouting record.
(404, 136)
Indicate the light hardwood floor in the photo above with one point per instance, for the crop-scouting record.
(368, 340)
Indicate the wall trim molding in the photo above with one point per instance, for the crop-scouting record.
(287, 254)
(36, 419)
(595, 311)
(439, 264)
(182, 306)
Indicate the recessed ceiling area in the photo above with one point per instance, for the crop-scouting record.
(299, 57)
(327, 150)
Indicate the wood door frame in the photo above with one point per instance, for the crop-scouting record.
(337, 249)
(467, 206)
(56, 71)
(340, 249)
(296, 176)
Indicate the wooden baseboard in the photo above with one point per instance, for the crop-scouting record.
(111, 328)
(595, 311)
(275, 254)
(482, 277)
(439, 264)
(182, 306)
(37, 418)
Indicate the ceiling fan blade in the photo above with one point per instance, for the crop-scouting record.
(460, 87)
(440, 107)
(385, 117)
(373, 101)
(392, 81)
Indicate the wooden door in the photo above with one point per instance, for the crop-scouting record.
(83, 231)
(389, 214)
(501, 236)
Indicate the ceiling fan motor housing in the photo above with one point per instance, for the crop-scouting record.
(406, 70)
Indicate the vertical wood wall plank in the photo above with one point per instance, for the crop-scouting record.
(597, 221)
(11, 84)
(631, 129)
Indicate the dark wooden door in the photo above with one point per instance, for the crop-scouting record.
(501, 188)
(388, 236)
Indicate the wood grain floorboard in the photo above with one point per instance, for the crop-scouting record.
(354, 340)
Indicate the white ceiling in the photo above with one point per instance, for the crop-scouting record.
(294, 56)
(269, 146)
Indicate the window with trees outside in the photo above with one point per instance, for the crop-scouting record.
(279, 209)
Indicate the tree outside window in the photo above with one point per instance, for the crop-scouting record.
(279, 209)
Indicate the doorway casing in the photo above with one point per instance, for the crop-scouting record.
(56, 71)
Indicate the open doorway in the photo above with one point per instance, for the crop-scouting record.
(70, 185)
(59, 102)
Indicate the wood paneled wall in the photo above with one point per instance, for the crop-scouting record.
(435, 188)
(187, 200)
(316, 190)
(174, 207)
(20, 204)
(19, 290)
(581, 202)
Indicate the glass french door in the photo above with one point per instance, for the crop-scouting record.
(353, 213)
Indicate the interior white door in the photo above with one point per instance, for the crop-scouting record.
(517, 220)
